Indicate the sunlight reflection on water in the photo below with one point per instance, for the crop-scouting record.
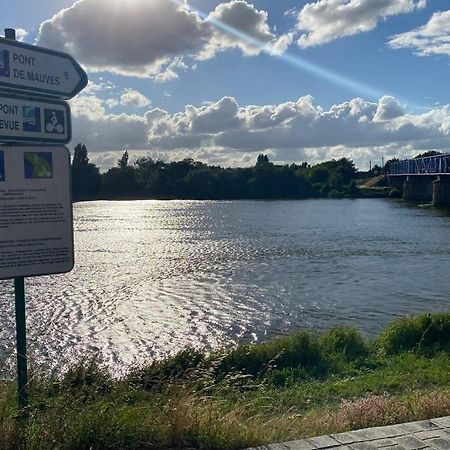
(153, 277)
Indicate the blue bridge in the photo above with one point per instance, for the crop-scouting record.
(434, 165)
(422, 179)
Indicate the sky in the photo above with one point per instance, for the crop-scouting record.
(222, 81)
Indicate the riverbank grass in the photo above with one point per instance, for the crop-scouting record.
(300, 385)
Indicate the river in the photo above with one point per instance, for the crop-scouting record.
(154, 277)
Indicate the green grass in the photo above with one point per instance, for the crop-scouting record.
(296, 386)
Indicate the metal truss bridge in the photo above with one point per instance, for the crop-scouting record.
(429, 165)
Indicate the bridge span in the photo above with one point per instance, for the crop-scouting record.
(422, 179)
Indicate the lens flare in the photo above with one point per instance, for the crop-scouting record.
(291, 59)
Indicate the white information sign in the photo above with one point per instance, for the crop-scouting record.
(36, 231)
(39, 70)
(34, 120)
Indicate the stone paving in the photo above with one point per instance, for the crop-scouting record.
(426, 434)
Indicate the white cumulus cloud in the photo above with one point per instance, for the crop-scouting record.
(430, 39)
(226, 133)
(238, 24)
(132, 97)
(150, 38)
(326, 20)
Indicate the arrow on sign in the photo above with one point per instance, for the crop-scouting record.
(38, 70)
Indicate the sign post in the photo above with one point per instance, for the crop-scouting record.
(21, 326)
(36, 219)
(21, 335)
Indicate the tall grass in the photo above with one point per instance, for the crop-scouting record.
(295, 386)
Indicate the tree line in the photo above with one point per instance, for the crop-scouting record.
(188, 179)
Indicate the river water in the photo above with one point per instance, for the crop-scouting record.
(154, 277)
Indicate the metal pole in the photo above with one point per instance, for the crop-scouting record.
(21, 336)
(10, 33)
(21, 328)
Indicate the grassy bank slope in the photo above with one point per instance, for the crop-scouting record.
(301, 385)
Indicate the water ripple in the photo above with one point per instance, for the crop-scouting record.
(153, 277)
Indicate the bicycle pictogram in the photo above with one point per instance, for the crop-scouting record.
(54, 121)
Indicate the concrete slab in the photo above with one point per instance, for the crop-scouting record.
(431, 434)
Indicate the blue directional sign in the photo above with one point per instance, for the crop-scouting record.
(40, 71)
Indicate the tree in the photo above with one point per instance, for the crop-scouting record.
(428, 153)
(80, 156)
(262, 159)
(123, 161)
(86, 179)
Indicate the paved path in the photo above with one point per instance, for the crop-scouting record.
(426, 434)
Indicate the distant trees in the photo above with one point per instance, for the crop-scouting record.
(86, 180)
(189, 179)
(262, 159)
(428, 153)
(333, 178)
(123, 162)
(120, 180)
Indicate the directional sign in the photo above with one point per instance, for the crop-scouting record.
(36, 231)
(32, 119)
(29, 68)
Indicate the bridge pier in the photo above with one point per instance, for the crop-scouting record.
(408, 189)
(422, 179)
(441, 191)
(418, 188)
(438, 194)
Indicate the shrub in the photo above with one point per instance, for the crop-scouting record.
(182, 366)
(86, 378)
(344, 342)
(426, 332)
(299, 350)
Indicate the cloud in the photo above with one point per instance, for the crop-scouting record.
(227, 133)
(21, 34)
(431, 39)
(388, 108)
(238, 24)
(101, 131)
(327, 20)
(145, 38)
(215, 117)
(139, 38)
(134, 98)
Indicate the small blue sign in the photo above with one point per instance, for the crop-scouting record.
(4, 63)
(31, 119)
(2, 166)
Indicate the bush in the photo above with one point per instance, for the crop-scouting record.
(299, 350)
(344, 342)
(85, 378)
(426, 332)
(181, 367)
